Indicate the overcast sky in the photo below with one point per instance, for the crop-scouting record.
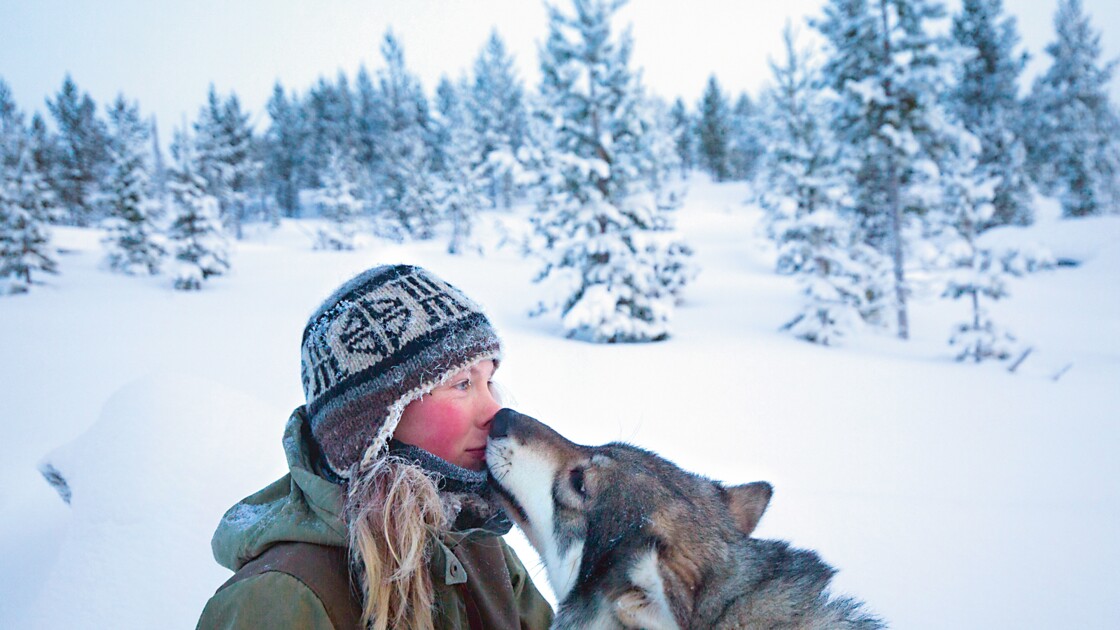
(165, 54)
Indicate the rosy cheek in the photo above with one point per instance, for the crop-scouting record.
(442, 430)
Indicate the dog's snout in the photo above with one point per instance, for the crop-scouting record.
(499, 427)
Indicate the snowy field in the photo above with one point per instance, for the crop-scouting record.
(948, 495)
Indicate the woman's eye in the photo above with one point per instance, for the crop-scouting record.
(575, 477)
(463, 385)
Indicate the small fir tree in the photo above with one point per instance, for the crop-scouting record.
(682, 127)
(714, 132)
(338, 201)
(466, 177)
(83, 158)
(986, 101)
(198, 245)
(1074, 137)
(407, 183)
(133, 241)
(611, 253)
(499, 119)
(975, 272)
(26, 204)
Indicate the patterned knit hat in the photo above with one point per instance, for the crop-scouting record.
(382, 340)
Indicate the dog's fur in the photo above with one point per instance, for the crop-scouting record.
(630, 540)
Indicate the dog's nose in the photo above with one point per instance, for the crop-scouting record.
(499, 427)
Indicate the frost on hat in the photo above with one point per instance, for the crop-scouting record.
(382, 340)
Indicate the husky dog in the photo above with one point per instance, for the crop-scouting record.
(629, 540)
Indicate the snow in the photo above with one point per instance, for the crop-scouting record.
(948, 495)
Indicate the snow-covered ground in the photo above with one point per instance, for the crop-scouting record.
(948, 495)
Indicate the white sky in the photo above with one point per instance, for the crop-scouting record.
(165, 54)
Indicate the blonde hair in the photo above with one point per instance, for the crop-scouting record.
(394, 510)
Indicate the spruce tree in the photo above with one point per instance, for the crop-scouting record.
(1074, 133)
(889, 72)
(286, 153)
(683, 136)
(198, 245)
(338, 200)
(26, 204)
(498, 113)
(714, 132)
(133, 240)
(83, 158)
(466, 175)
(808, 212)
(744, 149)
(227, 159)
(407, 184)
(976, 272)
(986, 101)
(612, 255)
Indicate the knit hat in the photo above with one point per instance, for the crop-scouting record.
(382, 340)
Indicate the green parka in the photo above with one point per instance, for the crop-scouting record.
(303, 507)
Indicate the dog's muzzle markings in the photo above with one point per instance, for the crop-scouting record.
(630, 540)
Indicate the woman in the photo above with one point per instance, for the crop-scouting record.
(385, 519)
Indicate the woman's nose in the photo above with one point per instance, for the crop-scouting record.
(488, 406)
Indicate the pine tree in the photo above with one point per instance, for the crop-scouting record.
(133, 241)
(682, 127)
(714, 132)
(370, 124)
(808, 211)
(743, 148)
(976, 272)
(465, 176)
(987, 103)
(338, 200)
(227, 158)
(612, 253)
(198, 244)
(284, 160)
(499, 115)
(83, 159)
(889, 72)
(1074, 131)
(407, 183)
(26, 204)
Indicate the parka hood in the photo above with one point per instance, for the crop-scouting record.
(299, 507)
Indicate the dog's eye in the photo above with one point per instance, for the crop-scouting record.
(575, 477)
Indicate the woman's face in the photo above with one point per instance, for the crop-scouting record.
(452, 422)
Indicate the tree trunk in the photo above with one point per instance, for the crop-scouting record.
(893, 197)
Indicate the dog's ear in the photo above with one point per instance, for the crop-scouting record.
(747, 502)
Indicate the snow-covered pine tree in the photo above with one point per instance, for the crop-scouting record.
(26, 204)
(986, 101)
(889, 72)
(339, 200)
(227, 158)
(198, 244)
(499, 114)
(744, 149)
(805, 198)
(1073, 138)
(683, 130)
(713, 132)
(975, 272)
(133, 243)
(612, 255)
(284, 159)
(83, 159)
(407, 181)
(370, 122)
(464, 174)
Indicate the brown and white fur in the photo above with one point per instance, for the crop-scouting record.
(629, 540)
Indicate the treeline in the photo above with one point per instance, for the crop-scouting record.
(892, 150)
(889, 142)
